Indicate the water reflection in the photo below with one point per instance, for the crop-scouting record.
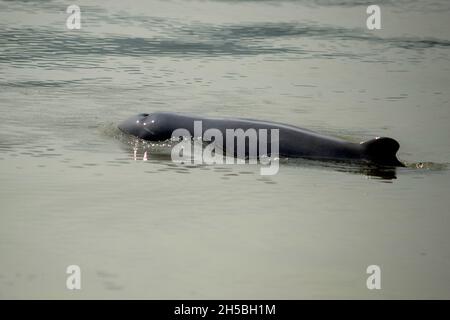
(367, 169)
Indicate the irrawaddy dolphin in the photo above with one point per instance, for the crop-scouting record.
(294, 142)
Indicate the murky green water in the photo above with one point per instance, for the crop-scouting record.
(74, 190)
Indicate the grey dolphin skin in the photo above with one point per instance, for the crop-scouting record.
(294, 142)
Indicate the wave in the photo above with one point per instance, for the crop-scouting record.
(44, 44)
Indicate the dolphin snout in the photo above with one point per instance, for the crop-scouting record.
(133, 125)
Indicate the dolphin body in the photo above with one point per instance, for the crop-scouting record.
(294, 142)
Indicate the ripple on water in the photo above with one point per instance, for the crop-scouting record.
(38, 46)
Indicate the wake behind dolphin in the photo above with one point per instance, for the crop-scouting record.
(294, 142)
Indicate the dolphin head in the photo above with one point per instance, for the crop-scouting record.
(134, 125)
(146, 126)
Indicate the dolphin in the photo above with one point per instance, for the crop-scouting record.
(294, 142)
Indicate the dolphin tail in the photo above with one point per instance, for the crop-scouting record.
(382, 150)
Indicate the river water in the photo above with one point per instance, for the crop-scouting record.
(75, 191)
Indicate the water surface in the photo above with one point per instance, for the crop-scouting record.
(74, 190)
